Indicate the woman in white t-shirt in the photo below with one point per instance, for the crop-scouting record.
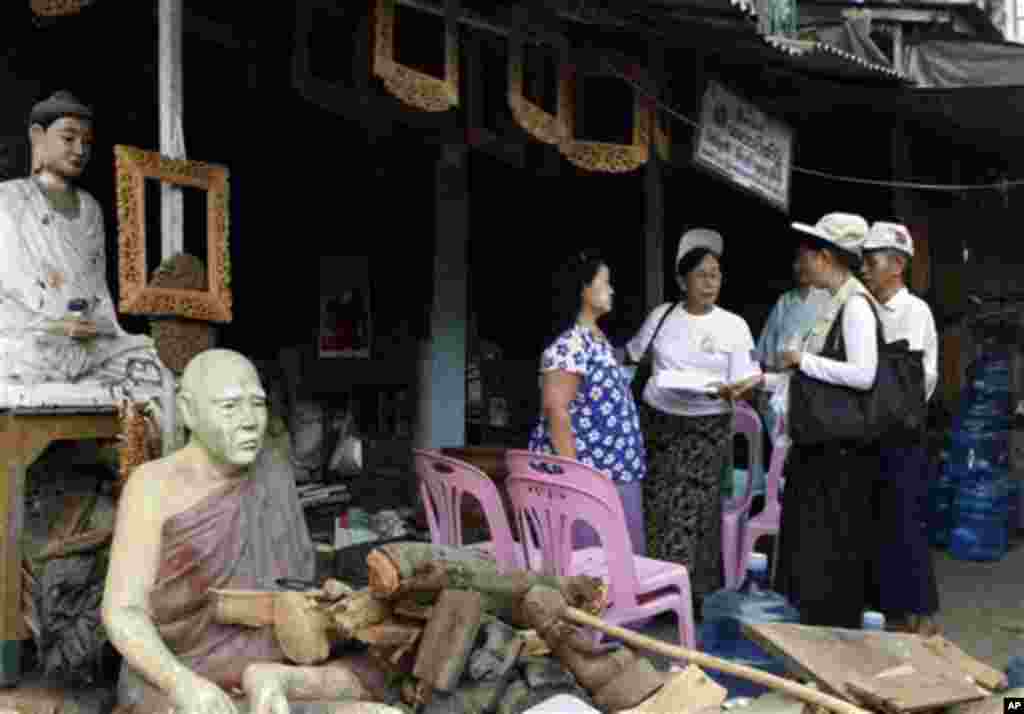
(688, 433)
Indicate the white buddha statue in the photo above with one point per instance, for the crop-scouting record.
(57, 317)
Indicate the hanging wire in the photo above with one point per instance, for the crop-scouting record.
(1003, 185)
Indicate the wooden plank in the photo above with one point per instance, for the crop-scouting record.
(23, 438)
(994, 704)
(448, 638)
(389, 634)
(685, 692)
(12, 493)
(986, 676)
(869, 667)
(911, 692)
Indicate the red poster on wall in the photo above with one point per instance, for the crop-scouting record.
(345, 316)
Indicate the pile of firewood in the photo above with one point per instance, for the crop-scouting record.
(456, 634)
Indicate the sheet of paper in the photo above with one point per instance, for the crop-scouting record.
(693, 381)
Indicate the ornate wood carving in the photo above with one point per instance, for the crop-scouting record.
(599, 155)
(134, 166)
(56, 8)
(541, 125)
(430, 94)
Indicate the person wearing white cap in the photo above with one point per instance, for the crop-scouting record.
(903, 574)
(689, 432)
(825, 536)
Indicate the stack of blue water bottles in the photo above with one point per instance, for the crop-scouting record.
(978, 466)
(940, 507)
(724, 614)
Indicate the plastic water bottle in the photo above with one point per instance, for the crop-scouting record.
(1013, 505)
(941, 493)
(724, 614)
(872, 620)
(757, 572)
(1015, 672)
(981, 517)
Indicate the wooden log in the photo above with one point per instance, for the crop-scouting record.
(302, 628)
(251, 608)
(390, 634)
(397, 569)
(356, 611)
(806, 694)
(449, 638)
(264, 608)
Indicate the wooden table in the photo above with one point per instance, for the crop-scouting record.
(24, 436)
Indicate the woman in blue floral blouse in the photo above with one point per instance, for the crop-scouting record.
(587, 408)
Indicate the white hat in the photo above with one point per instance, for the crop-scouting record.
(889, 235)
(699, 238)
(845, 231)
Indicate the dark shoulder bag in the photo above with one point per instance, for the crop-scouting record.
(897, 406)
(820, 412)
(644, 366)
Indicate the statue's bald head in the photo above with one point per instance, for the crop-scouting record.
(224, 405)
(209, 368)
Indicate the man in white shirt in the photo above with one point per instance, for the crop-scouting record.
(903, 571)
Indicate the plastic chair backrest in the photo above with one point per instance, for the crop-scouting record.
(443, 481)
(551, 493)
(747, 423)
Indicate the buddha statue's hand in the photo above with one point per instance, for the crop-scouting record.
(198, 695)
(76, 328)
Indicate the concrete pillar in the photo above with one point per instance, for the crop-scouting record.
(654, 200)
(654, 232)
(441, 409)
(172, 133)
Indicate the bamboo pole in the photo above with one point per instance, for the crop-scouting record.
(804, 693)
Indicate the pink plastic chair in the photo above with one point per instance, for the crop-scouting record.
(549, 494)
(443, 482)
(747, 424)
(768, 521)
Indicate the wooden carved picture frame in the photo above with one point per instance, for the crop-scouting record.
(534, 120)
(598, 155)
(133, 167)
(430, 94)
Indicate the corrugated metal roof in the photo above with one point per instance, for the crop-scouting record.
(728, 27)
(826, 56)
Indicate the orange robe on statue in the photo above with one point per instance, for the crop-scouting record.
(246, 536)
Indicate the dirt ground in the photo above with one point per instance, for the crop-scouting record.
(982, 604)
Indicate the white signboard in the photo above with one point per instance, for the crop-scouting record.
(740, 143)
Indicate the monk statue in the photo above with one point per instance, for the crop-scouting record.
(220, 513)
(57, 317)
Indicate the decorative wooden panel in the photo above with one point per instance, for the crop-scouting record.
(599, 155)
(430, 94)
